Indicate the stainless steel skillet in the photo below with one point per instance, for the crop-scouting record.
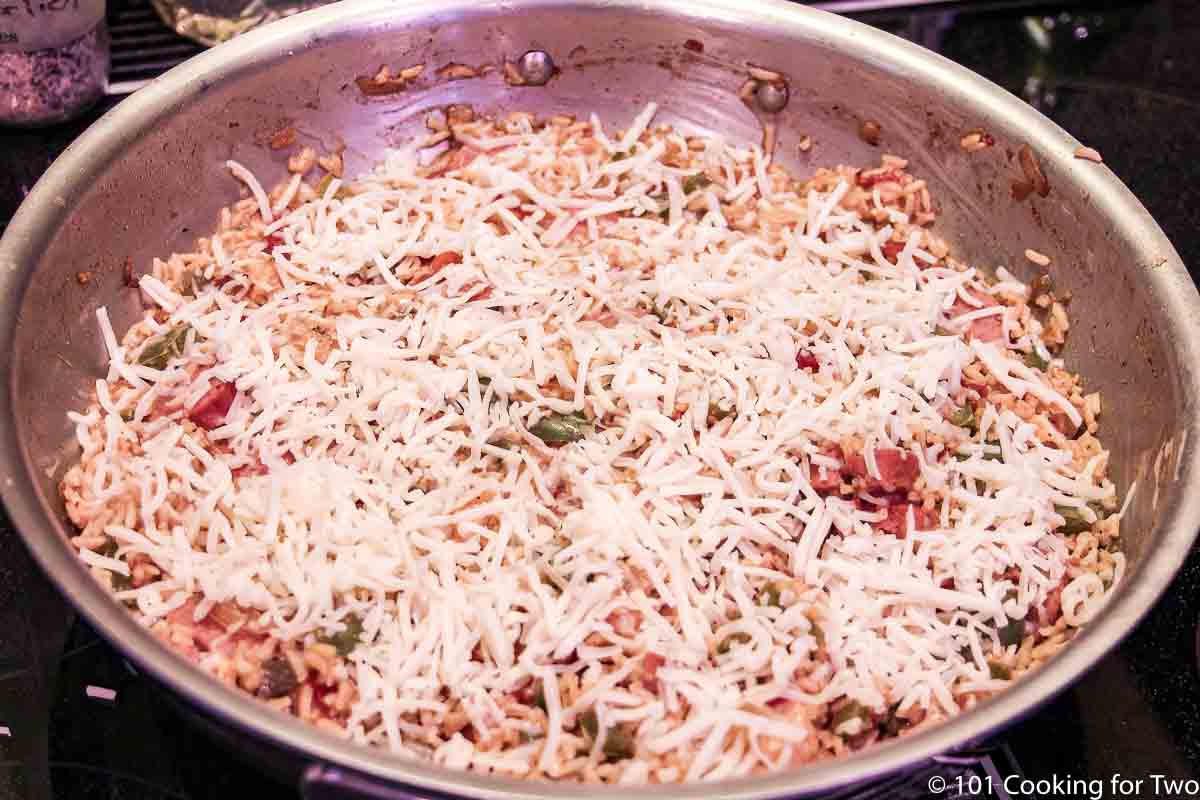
(146, 179)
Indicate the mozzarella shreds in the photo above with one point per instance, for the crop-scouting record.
(619, 459)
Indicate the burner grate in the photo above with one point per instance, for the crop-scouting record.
(975, 775)
(142, 46)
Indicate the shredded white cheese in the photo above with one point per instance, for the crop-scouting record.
(381, 460)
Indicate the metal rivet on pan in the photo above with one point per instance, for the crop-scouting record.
(771, 96)
(536, 67)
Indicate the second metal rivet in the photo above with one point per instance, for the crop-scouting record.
(536, 67)
(771, 96)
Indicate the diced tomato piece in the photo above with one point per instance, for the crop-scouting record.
(1051, 608)
(442, 259)
(273, 241)
(896, 522)
(806, 360)
(856, 465)
(183, 614)
(526, 695)
(827, 479)
(204, 633)
(867, 181)
(881, 500)
(210, 410)
(322, 694)
(985, 329)
(980, 389)
(226, 614)
(1063, 424)
(891, 250)
(898, 469)
(650, 664)
(427, 270)
(257, 468)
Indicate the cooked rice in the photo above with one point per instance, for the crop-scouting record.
(1041, 259)
(560, 455)
(975, 141)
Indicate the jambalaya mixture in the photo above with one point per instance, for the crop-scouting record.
(624, 457)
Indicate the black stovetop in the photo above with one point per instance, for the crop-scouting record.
(1123, 77)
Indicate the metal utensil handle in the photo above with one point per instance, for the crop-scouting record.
(320, 782)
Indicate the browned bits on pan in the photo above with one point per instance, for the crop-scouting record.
(283, 138)
(83, 278)
(805, 144)
(1035, 179)
(376, 87)
(693, 45)
(512, 75)
(870, 132)
(130, 282)
(383, 83)
(457, 72)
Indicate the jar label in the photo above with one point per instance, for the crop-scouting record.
(40, 24)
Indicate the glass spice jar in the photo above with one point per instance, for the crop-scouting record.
(53, 60)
